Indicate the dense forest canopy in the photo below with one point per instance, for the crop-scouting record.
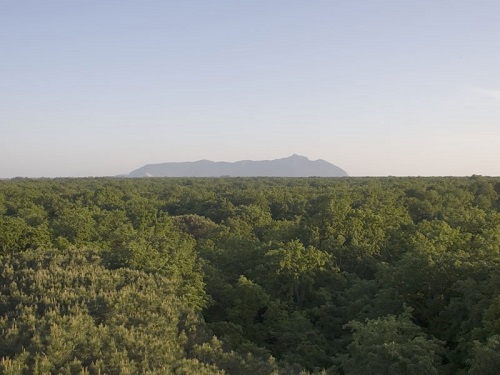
(250, 276)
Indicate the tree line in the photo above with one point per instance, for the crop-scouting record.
(250, 276)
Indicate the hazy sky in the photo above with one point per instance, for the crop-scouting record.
(101, 87)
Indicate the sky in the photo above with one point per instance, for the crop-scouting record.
(378, 88)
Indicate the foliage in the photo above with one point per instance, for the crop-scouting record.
(250, 275)
(390, 345)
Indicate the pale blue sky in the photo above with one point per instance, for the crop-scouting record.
(101, 87)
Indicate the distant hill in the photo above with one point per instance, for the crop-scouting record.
(293, 166)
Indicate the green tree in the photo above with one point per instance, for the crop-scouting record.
(390, 345)
(485, 357)
(295, 267)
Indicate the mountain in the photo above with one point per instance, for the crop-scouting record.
(293, 166)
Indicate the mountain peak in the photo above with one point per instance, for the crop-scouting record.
(297, 157)
(292, 166)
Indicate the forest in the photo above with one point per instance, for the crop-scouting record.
(250, 276)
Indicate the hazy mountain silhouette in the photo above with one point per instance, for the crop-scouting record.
(293, 166)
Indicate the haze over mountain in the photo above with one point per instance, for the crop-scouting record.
(293, 166)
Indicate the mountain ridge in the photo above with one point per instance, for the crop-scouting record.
(292, 166)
